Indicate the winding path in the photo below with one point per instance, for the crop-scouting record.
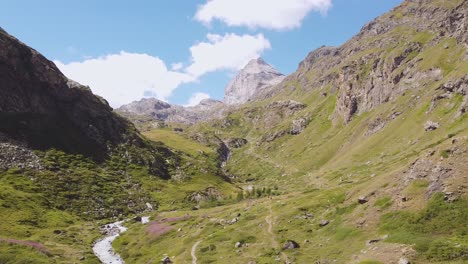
(192, 252)
(269, 221)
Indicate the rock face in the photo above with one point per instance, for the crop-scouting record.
(41, 108)
(374, 67)
(255, 77)
(162, 111)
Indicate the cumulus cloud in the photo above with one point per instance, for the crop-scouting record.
(196, 98)
(269, 14)
(228, 52)
(177, 66)
(125, 77)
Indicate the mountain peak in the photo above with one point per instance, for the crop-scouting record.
(259, 65)
(254, 77)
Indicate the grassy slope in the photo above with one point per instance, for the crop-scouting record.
(58, 207)
(323, 171)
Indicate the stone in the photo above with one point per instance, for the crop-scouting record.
(430, 126)
(238, 245)
(149, 206)
(324, 223)
(166, 260)
(237, 142)
(298, 126)
(291, 244)
(373, 241)
(404, 261)
(362, 200)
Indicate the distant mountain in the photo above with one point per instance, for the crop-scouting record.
(254, 78)
(161, 111)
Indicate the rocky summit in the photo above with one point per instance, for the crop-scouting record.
(255, 77)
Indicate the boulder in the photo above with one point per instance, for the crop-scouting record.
(430, 126)
(298, 126)
(404, 261)
(166, 260)
(291, 244)
(233, 221)
(324, 223)
(362, 200)
(237, 142)
(238, 245)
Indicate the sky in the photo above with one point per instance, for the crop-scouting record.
(179, 51)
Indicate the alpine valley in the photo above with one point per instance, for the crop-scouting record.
(360, 156)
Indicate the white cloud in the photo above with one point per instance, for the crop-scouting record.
(270, 14)
(177, 66)
(196, 99)
(125, 77)
(228, 52)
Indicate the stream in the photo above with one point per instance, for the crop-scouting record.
(103, 247)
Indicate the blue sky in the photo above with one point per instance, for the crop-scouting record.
(127, 49)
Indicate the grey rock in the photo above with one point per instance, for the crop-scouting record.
(291, 244)
(404, 261)
(362, 200)
(166, 260)
(324, 223)
(237, 142)
(256, 76)
(298, 126)
(430, 126)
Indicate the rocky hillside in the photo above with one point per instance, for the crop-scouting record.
(68, 164)
(255, 77)
(154, 109)
(42, 109)
(357, 157)
(420, 42)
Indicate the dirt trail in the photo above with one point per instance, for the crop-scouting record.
(269, 221)
(192, 252)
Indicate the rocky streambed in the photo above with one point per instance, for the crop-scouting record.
(103, 247)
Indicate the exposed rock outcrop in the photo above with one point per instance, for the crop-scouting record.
(237, 142)
(256, 76)
(389, 56)
(43, 109)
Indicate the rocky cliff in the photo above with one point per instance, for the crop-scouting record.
(405, 49)
(256, 76)
(41, 109)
